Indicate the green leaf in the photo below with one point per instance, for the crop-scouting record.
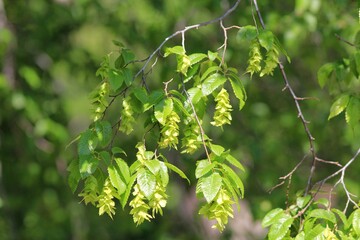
(105, 156)
(117, 150)
(239, 91)
(116, 79)
(164, 175)
(196, 57)
(154, 98)
(247, 33)
(181, 107)
(200, 165)
(115, 179)
(272, 216)
(339, 106)
(314, 232)
(211, 185)
(217, 149)
(324, 72)
(127, 55)
(87, 165)
(341, 215)
(128, 78)
(203, 167)
(178, 50)
(211, 83)
(153, 165)
(183, 64)
(356, 222)
(352, 114)
(235, 193)
(124, 198)
(279, 229)
(74, 175)
(323, 214)
(266, 39)
(87, 143)
(235, 162)
(233, 177)
(140, 94)
(302, 201)
(212, 55)
(163, 109)
(124, 169)
(104, 132)
(210, 70)
(147, 182)
(195, 94)
(177, 170)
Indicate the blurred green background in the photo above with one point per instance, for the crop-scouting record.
(49, 53)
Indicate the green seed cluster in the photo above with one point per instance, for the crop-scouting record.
(222, 109)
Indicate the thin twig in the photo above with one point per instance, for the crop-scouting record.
(344, 40)
(182, 32)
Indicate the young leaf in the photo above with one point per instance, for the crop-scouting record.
(203, 168)
(196, 57)
(314, 232)
(163, 109)
(147, 182)
(195, 95)
(235, 162)
(352, 114)
(164, 175)
(339, 106)
(266, 39)
(324, 72)
(211, 185)
(356, 221)
(341, 215)
(124, 169)
(272, 216)
(210, 70)
(105, 156)
(302, 201)
(115, 180)
(103, 131)
(87, 143)
(211, 83)
(116, 79)
(239, 91)
(247, 33)
(233, 177)
(127, 55)
(128, 78)
(87, 165)
(140, 94)
(124, 198)
(153, 165)
(323, 214)
(117, 150)
(200, 165)
(177, 170)
(217, 149)
(178, 50)
(279, 229)
(212, 55)
(74, 175)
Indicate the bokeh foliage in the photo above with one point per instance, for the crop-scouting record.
(50, 51)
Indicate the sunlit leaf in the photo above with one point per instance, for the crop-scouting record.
(116, 79)
(87, 165)
(178, 50)
(339, 106)
(323, 214)
(247, 33)
(212, 83)
(324, 72)
(177, 170)
(211, 185)
(115, 179)
(356, 221)
(147, 182)
(352, 114)
(266, 39)
(272, 216)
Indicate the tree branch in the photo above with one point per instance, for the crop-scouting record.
(296, 99)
